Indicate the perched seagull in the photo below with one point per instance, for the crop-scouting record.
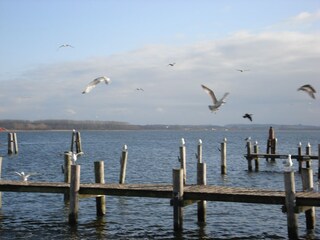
(247, 139)
(171, 64)
(248, 115)
(243, 70)
(74, 157)
(308, 89)
(65, 45)
(288, 164)
(23, 176)
(216, 103)
(96, 81)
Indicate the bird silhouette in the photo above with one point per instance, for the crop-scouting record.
(95, 82)
(248, 115)
(171, 64)
(216, 103)
(65, 45)
(242, 70)
(308, 89)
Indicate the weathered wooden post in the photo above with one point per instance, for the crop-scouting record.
(177, 199)
(199, 151)
(308, 152)
(307, 185)
(67, 173)
(73, 138)
(99, 178)
(256, 159)
(202, 180)
(182, 159)
(123, 164)
(12, 143)
(272, 144)
(223, 152)
(0, 178)
(290, 193)
(299, 156)
(74, 194)
(318, 161)
(249, 158)
(78, 142)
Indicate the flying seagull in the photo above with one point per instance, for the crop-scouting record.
(248, 115)
(243, 70)
(216, 103)
(308, 89)
(96, 81)
(171, 64)
(24, 177)
(139, 89)
(74, 157)
(65, 45)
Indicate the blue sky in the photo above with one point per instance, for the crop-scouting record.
(133, 41)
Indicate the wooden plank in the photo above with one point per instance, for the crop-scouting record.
(281, 156)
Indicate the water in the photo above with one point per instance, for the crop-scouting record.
(151, 158)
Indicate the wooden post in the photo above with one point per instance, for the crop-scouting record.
(307, 185)
(74, 194)
(224, 156)
(73, 138)
(318, 161)
(308, 152)
(99, 178)
(78, 142)
(12, 143)
(249, 158)
(67, 173)
(123, 164)
(15, 143)
(177, 199)
(199, 151)
(202, 180)
(290, 192)
(256, 159)
(183, 159)
(300, 158)
(0, 178)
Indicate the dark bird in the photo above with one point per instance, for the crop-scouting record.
(248, 115)
(95, 82)
(139, 89)
(308, 89)
(243, 70)
(171, 64)
(65, 45)
(216, 103)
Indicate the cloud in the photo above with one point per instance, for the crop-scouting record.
(279, 63)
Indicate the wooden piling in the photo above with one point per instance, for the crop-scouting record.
(74, 194)
(318, 161)
(223, 152)
(78, 142)
(199, 151)
(73, 138)
(0, 178)
(308, 152)
(249, 158)
(290, 192)
(67, 173)
(300, 158)
(271, 143)
(99, 178)
(177, 199)
(307, 185)
(202, 180)
(182, 159)
(123, 164)
(12, 143)
(256, 159)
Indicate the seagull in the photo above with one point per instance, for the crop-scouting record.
(288, 164)
(308, 89)
(139, 89)
(243, 70)
(23, 176)
(248, 115)
(74, 157)
(65, 45)
(216, 103)
(171, 64)
(96, 81)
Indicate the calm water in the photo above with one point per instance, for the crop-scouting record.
(151, 158)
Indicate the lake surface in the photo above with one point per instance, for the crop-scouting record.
(151, 157)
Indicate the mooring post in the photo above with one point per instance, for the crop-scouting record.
(307, 185)
(74, 194)
(99, 178)
(299, 156)
(202, 180)
(123, 164)
(78, 142)
(182, 159)
(0, 178)
(67, 173)
(318, 161)
(199, 151)
(290, 193)
(12, 143)
(73, 138)
(249, 158)
(177, 199)
(223, 152)
(15, 143)
(308, 153)
(256, 159)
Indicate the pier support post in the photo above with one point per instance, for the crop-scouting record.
(74, 194)
(202, 180)
(12, 143)
(249, 158)
(76, 142)
(0, 178)
(223, 152)
(67, 173)
(177, 199)
(299, 156)
(99, 178)
(199, 151)
(318, 161)
(123, 164)
(182, 159)
(307, 185)
(308, 152)
(272, 143)
(290, 192)
(256, 159)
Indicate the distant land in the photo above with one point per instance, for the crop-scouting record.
(38, 125)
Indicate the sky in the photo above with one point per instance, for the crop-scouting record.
(133, 41)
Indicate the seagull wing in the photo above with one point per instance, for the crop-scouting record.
(92, 85)
(224, 96)
(18, 173)
(211, 93)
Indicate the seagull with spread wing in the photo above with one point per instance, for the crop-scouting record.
(24, 177)
(216, 103)
(95, 82)
(308, 89)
